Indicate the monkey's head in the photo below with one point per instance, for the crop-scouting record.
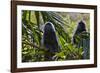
(81, 26)
(49, 27)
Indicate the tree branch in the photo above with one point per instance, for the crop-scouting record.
(36, 46)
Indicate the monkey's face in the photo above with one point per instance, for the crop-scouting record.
(81, 26)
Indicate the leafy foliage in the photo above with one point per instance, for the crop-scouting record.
(32, 31)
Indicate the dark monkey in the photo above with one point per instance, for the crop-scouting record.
(50, 40)
(80, 28)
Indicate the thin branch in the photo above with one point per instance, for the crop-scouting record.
(36, 46)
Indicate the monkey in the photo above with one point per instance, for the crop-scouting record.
(81, 27)
(84, 43)
(50, 40)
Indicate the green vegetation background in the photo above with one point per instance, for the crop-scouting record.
(65, 23)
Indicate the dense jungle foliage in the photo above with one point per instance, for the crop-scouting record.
(65, 24)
